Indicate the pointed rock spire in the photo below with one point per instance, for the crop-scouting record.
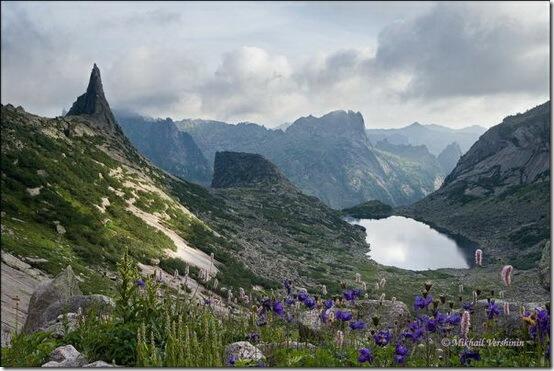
(93, 103)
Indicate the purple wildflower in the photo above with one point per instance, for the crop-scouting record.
(431, 325)
(289, 300)
(493, 310)
(415, 332)
(324, 316)
(232, 359)
(400, 353)
(467, 355)
(140, 283)
(468, 307)
(329, 303)
(365, 355)
(358, 325)
(343, 315)
(278, 308)
(309, 302)
(302, 295)
(253, 337)
(542, 325)
(422, 303)
(382, 338)
(349, 295)
(288, 286)
(454, 319)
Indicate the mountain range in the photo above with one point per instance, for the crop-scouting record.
(435, 137)
(329, 157)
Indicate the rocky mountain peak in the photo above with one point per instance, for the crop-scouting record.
(93, 103)
(336, 123)
(239, 169)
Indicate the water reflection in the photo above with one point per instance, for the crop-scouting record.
(406, 243)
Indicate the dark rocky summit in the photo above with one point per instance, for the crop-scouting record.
(93, 104)
(238, 169)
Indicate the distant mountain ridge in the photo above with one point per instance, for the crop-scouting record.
(329, 157)
(435, 137)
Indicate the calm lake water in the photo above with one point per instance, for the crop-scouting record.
(406, 243)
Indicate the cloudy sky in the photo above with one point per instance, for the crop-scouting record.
(455, 64)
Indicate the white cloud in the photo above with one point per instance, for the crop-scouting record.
(450, 63)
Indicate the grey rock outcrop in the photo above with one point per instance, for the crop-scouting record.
(60, 289)
(242, 350)
(309, 325)
(65, 356)
(60, 296)
(390, 312)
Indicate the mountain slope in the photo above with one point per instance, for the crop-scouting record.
(435, 137)
(77, 193)
(499, 192)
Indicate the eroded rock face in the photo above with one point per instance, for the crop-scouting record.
(60, 289)
(242, 350)
(238, 169)
(65, 356)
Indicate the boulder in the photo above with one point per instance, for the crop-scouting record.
(389, 312)
(65, 356)
(100, 304)
(62, 325)
(242, 350)
(60, 289)
(309, 325)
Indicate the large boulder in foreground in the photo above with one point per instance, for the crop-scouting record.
(242, 350)
(61, 288)
(60, 296)
(65, 356)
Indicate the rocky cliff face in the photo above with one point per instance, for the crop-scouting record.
(449, 157)
(499, 192)
(515, 152)
(94, 105)
(238, 169)
(166, 146)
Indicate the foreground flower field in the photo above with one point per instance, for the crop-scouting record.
(153, 326)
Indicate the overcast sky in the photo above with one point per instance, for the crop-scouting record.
(455, 64)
